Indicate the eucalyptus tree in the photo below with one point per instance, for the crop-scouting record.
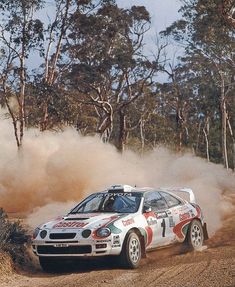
(109, 70)
(209, 42)
(49, 96)
(20, 34)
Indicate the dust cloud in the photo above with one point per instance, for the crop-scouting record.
(53, 171)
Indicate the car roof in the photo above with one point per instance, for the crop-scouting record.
(119, 188)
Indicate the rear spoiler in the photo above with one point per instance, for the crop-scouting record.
(189, 191)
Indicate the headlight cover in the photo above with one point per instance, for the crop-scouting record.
(103, 232)
(35, 233)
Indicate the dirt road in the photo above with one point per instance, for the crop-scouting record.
(212, 267)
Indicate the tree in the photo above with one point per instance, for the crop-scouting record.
(207, 46)
(109, 70)
(20, 33)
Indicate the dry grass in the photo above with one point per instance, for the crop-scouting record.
(13, 240)
(6, 264)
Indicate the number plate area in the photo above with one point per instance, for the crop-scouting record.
(61, 245)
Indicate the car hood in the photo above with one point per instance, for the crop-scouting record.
(85, 220)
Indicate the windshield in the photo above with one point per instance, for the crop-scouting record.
(109, 202)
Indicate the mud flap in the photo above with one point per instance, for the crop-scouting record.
(205, 233)
(143, 249)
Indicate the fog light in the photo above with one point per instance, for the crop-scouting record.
(86, 233)
(43, 234)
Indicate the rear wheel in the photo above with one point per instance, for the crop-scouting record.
(195, 235)
(131, 251)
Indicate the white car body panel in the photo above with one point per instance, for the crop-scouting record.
(156, 228)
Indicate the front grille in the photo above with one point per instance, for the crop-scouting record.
(84, 249)
(62, 235)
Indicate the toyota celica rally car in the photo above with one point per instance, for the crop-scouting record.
(124, 221)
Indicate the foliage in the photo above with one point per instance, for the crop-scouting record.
(206, 76)
(13, 238)
(95, 75)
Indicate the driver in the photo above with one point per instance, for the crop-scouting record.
(109, 204)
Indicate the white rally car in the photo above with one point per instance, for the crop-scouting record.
(124, 221)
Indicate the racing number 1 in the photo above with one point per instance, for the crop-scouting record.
(163, 225)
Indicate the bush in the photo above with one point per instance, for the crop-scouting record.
(13, 238)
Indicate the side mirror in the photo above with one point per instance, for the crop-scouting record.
(147, 209)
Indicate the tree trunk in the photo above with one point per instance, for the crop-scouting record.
(142, 134)
(198, 138)
(207, 145)
(122, 131)
(223, 122)
(22, 100)
(233, 141)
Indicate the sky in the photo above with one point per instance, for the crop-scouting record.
(163, 12)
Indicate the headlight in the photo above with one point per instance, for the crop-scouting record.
(43, 234)
(35, 233)
(103, 232)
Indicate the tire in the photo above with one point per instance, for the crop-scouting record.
(131, 251)
(48, 264)
(195, 237)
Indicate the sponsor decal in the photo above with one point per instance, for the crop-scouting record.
(110, 219)
(151, 221)
(180, 210)
(116, 240)
(149, 234)
(162, 215)
(149, 214)
(128, 221)
(184, 216)
(116, 245)
(171, 221)
(192, 213)
(198, 212)
(181, 228)
(72, 224)
(148, 229)
(127, 194)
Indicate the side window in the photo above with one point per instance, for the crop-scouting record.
(155, 201)
(170, 199)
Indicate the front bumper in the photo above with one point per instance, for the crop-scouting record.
(75, 248)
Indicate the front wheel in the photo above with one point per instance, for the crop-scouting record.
(131, 251)
(48, 264)
(195, 235)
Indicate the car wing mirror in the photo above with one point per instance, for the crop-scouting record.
(147, 209)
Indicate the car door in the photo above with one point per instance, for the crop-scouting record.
(175, 208)
(158, 224)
